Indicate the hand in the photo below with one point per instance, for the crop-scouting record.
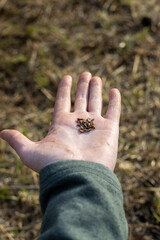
(64, 141)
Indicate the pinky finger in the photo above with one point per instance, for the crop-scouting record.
(114, 106)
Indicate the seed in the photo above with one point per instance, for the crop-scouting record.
(81, 130)
(88, 130)
(87, 125)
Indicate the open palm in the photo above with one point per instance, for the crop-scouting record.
(64, 141)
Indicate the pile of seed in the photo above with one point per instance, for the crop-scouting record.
(85, 125)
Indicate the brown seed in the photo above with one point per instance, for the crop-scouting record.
(81, 130)
(85, 125)
(88, 125)
(79, 120)
(88, 130)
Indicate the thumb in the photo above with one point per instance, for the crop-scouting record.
(17, 141)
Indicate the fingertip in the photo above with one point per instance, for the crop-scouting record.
(96, 79)
(86, 74)
(85, 77)
(67, 76)
(114, 92)
(67, 79)
(3, 133)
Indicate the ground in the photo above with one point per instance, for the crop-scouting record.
(119, 40)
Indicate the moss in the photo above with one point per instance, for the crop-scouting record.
(4, 192)
(15, 60)
(35, 31)
(41, 80)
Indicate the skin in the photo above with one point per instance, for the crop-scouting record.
(64, 141)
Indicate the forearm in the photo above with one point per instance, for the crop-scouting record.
(81, 200)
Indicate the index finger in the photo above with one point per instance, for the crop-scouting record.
(114, 106)
(63, 98)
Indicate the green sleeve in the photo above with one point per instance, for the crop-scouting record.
(81, 200)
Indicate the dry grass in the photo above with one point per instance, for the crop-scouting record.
(40, 41)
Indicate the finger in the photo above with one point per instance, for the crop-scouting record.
(63, 98)
(95, 95)
(114, 106)
(82, 92)
(17, 141)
